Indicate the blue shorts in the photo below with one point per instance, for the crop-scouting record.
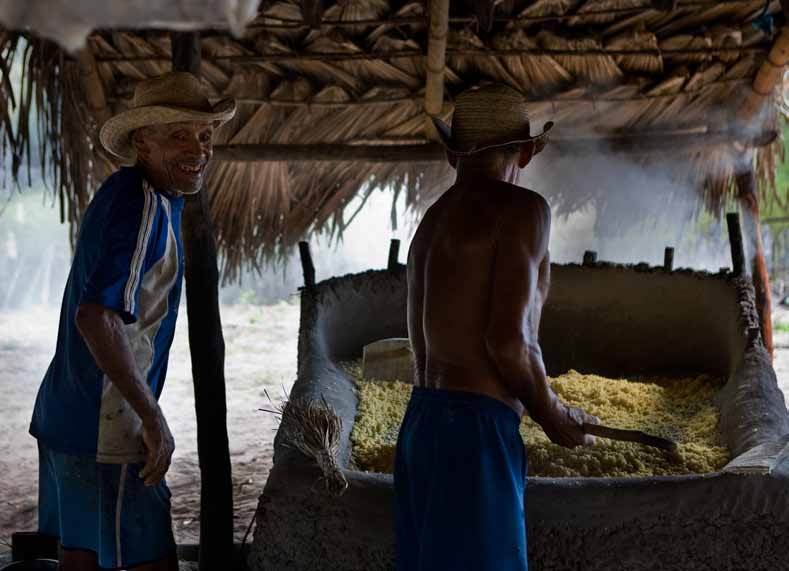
(459, 478)
(104, 508)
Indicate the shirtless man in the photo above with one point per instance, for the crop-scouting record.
(478, 276)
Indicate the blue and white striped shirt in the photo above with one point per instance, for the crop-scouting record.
(128, 258)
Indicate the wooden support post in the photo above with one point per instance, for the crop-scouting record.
(207, 348)
(312, 13)
(735, 244)
(394, 253)
(749, 205)
(435, 62)
(668, 259)
(486, 11)
(307, 267)
(590, 258)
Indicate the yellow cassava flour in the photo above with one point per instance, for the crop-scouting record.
(680, 409)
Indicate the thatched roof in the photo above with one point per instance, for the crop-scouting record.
(632, 75)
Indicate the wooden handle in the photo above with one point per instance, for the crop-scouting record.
(630, 436)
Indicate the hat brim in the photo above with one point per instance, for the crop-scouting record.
(445, 134)
(115, 134)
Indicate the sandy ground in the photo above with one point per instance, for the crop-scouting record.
(260, 358)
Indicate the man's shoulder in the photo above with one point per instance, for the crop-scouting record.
(517, 201)
(121, 194)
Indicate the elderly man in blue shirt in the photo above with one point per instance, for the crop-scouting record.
(104, 443)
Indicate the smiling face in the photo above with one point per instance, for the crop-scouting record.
(174, 155)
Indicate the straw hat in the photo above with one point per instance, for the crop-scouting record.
(169, 98)
(493, 115)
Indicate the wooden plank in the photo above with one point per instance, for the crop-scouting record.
(207, 348)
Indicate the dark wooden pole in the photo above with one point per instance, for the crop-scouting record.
(394, 254)
(207, 347)
(668, 259)
(307, 267)
(749, 205)
(590, 258)
(735, 244)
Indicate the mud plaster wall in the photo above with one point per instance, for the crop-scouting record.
(717, 521)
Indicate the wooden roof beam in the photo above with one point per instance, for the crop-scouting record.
(418, 54)
(770, 74)
(638, 144)
(436, 63)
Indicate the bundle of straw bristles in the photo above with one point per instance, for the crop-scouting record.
(312, 427)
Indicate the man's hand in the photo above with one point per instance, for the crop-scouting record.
(564, 426)
(159, 448)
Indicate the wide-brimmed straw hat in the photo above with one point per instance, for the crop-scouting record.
(169, 98)
(493, 115)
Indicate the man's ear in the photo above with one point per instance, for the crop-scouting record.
(139, 144)
(452, 158)
(526, 154)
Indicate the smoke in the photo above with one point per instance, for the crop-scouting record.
(626, 211)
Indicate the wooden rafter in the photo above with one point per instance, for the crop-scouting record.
(416, 54)
(640, 144)
(436, 62)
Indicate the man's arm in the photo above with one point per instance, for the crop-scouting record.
(416, 334)
(511, 339)
(104, 333)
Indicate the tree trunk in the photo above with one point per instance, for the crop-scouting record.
(207, 348)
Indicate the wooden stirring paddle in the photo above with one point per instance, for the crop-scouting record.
(631, 436)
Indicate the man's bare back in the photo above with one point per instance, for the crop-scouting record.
(454, 257)
(478, 276)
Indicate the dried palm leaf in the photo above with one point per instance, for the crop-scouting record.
(355, 11)
(642, 64)
(410, 10)
(475, 67)
(692, 22)
(587, 68)
(586, 13)
(377, 72)
(320, 72)
(288, 13)
(546, 8)
(135, 46)
(535, 75)
(746, 67)
(704, 76)
(726, 37)
(644, 20)
(413, 67)
(688, 42)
